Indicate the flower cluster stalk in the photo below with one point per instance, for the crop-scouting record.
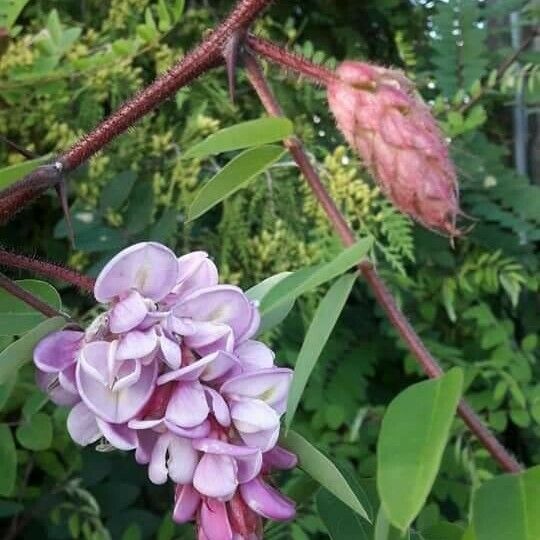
(398, 320)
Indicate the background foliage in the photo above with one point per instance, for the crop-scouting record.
(67, 64)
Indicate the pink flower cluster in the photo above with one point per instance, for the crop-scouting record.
(170, 370)
(384, 119)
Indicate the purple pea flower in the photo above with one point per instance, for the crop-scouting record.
(170, 370)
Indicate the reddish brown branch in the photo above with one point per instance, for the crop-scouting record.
(203, 57)
(47, 269)
(12, 288)
(381, 292)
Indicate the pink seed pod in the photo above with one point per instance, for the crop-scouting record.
(387, 123)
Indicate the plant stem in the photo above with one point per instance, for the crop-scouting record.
(286, 59)
(398, 320)
(12, 288)
(203, 57)
(47, 269)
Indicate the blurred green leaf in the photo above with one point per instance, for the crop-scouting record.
(319, 331)
(409, 451)
(340, 521)
(12, 173)
(36, 432)
(13, 357)
(8, 459)
(321, 468)
(117, 191)
(508, 506)
(16, 316)
(307, 279)
(234, 176)
(271, 317)
(384, 529)
(9, 11)
(244, 135)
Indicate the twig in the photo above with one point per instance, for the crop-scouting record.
(12, 288)
(381, 292)
(47, 269)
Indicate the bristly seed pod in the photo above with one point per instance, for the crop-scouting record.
(387, 123)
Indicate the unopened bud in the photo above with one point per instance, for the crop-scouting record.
(392, 129)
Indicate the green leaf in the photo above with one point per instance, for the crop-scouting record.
(443, 531)
(5, 390)
(385, 531)
(17, 317)
(13, 357)
(244, 135)
(272, 317)
(8, 459)
(10, 508)
(234, 176)
(12, 173)
(307, 279)
(321, 469)
(340, 521)
(508, 507)
(413, 436)
(36, 433)
(141, 207)
(116, 192)
(319, 331)
(9, 11)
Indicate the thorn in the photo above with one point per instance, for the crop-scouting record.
(28, 154)
(61, 190)
(232, 52)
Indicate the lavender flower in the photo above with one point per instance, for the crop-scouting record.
(170, 370)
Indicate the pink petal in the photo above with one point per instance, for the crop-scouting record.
(265, 440)
(202, 430)
(182, 460)
(187, 407)
(136, 344)
(209, 337)
(119, 435)
(171, 352)
(117, 407)
(269, 385)
(128, 313)
(187, 373)
(94, 361)
(195, 271)
(82, 425)
(57, 351)
(215, 476)
(280, 459)
(254, 355)
(186, 504)
(157, 468)
(145, 444)
(267, 501)
(218, 406)
(127, 375)
(222, 304)
(68, 381)
(215, 446)
(249, 467)
(214, 521)
(253, 326)
(253, 415)
(49, 383)
(149, 268)
(222, 364)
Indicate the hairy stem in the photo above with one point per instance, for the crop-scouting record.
(203, 57)
(47, 269)
(12, 288)
(398, 320)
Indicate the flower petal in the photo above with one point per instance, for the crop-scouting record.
(222, 304)
(280, 459)
(57, 351)
(136, 344)
(192, 372)
(148, 267)
(128, 313)
(171, 351)
(157, 468)
(49, 383)
(215, 446)
(218, 406)
(208, 337)
(195, 271)
(222, 364)
(186, 503)
(187, 407)
(121, 406)
(119, 435)
(145, 444)
(254, 355)
(214, 521)
(82, 425)
(215, 476)
(183, 459)
(202, 430)
(253, 415)
(265, 440)
(267, 501)
(269, 385)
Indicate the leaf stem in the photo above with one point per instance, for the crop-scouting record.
(384, 297)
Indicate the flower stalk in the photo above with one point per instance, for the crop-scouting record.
(385, 299)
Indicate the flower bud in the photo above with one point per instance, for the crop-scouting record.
(392, 129)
